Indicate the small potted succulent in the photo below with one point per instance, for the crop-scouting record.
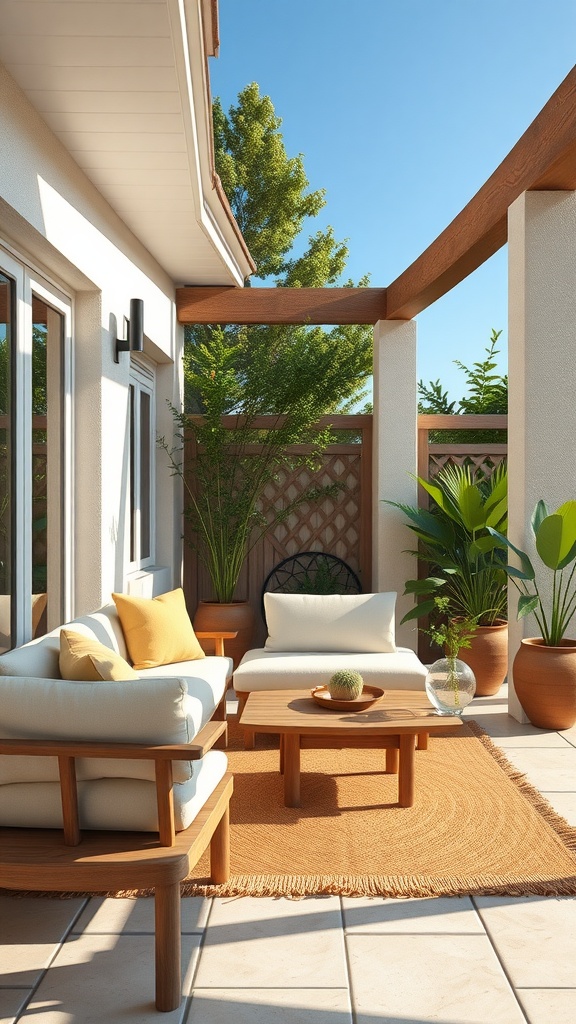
(345, 685)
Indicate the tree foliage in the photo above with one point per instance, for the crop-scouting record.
(487, 393)
(270, 197)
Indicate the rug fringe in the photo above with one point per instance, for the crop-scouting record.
(565, 831)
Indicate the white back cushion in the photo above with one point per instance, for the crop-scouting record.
(330, 622)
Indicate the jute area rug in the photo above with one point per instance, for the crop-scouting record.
(477, 826)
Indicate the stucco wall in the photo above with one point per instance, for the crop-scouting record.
(55, 219)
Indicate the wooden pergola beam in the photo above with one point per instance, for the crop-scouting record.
(543, 159)
(280, 305)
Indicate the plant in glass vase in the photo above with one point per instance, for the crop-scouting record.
(450, 683)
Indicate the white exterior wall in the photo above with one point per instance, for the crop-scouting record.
(52, 217)
(542, 384)
(395, 455)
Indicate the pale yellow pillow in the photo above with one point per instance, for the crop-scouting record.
(157, 630)
(81, 657)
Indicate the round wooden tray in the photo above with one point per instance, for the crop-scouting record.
(369, 695)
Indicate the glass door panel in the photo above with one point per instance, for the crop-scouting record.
(6, 360)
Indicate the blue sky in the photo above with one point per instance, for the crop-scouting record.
(402, 109)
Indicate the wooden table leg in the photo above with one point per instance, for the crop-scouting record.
(422, 743)
(406, 771)
(391, 760)
(282, 754)
(220, 850)
(249, 738)
(292, 769)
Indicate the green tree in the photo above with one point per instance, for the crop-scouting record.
(271, 201)
(487, 393)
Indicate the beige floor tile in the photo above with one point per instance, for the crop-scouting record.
(452, 979)
(134, 916)
(30, 932)
(535, 938)
(505, 729)
(564, 804)
(11, 1002)
(267, 942)
(264, 1006)
(107, 978)
(549, 1005)
(550, 771)
(392, 917)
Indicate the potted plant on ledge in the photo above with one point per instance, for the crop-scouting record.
(544, 668)
(462, 558)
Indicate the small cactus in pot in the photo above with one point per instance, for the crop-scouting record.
(345, 685)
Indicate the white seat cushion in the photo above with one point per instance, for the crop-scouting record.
(205, 680)
(112, 803)
(268, 670)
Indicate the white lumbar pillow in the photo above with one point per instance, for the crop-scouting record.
(331, 622)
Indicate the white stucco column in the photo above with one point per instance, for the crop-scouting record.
(395, 441)
(542, 374)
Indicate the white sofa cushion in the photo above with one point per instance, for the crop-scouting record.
(152, 710)
(112, 803)
(267, 670)
(205, 680)
(361, 623)
(40, 658)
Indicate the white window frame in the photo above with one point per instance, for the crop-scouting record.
(28, 281)
(143, 380)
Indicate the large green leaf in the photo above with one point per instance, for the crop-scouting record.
(527, 567)
(539, 513)
(498, 493)
(496, 514)
(471, 508)
(427, 586)
(526, 604)
(555, 537)
(442, 500)
(424, 608)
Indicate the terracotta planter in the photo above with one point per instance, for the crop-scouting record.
(545, 682)
(488, 658)
(238, 615)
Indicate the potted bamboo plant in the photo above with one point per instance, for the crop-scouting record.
(544, 668)
(253, 407)
(464, 567)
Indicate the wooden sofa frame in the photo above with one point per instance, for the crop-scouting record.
(49, 860)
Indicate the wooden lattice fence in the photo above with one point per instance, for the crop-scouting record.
(340, 525)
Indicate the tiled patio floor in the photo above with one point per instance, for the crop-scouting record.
(315, 961)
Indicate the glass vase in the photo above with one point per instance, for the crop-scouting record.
(450, 686)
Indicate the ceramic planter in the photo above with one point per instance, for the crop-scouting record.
(488, 658)
(236, 615)
(545, 682)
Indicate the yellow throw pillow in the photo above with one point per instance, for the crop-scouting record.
(157, 630)
(81, 657)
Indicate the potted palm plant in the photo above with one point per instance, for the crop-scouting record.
(464, 566)
(544, 668)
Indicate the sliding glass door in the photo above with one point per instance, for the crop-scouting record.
(34, 454)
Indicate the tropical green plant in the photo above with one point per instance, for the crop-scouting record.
(554, 535)
(456, 543)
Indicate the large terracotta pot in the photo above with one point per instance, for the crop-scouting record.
(237, 615)
(488, 657)
(545, 682)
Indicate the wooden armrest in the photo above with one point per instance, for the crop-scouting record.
(205, 739)
(162, 754)
(219, 636)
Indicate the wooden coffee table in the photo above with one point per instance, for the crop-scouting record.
(392, 724)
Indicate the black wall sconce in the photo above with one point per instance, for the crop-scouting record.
(134, 328)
